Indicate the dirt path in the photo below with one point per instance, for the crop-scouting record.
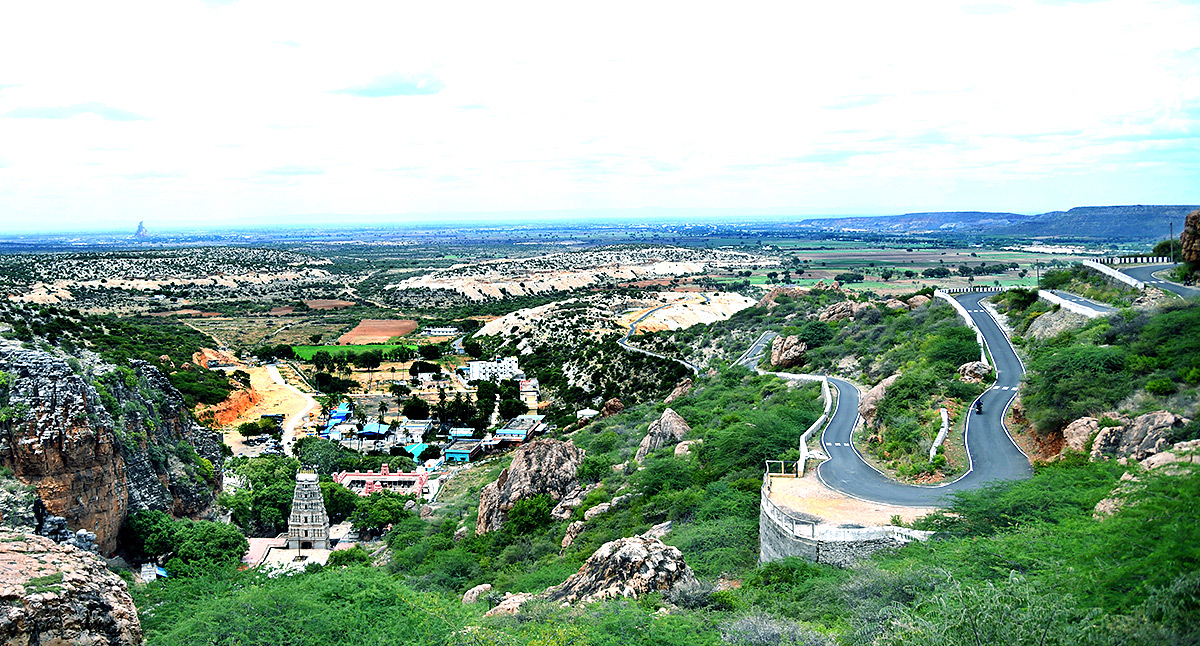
(289, 426)
(277, 398)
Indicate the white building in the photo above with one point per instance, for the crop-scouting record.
(440, 331)
(496, 370)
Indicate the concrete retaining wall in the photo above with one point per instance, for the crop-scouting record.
(1070, 306)
(1114, 274)
(781, 534)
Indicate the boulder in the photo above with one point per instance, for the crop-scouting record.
(1142, 437)
(917, 301)
(602, 508)
(973, 372)
(611, 407)
(768, 301)
(626, 567)
(567, 505)
(788, 351)
(541, 467)
(472, 595)
(667, 430)
(895, 304)
(684, 449)
(426, 512)
(869, 403)
(658, 531)
(1078, 433)
(511, 604)
(1189, 238)
(56, 594)
(573, 532)
(460, 533)
(682, 389)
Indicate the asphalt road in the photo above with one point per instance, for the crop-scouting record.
(624, 341)
(993, 455)
(1086, 302)
(751, 357)
(1145, 273)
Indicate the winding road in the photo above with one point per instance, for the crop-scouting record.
(624, 341)
(991, 452)
(1145, 273)
(1086, 302)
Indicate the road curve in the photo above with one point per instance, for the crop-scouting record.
(992, 453)
(1145, 273)
(1086, 302)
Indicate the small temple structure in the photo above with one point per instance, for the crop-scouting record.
(308, 526)
(365, 483)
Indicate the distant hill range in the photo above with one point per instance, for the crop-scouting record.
(1137, 222)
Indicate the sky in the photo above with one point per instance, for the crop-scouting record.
(193, 113)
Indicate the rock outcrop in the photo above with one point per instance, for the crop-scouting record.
(472, 595)
(681, 390)
(55, 594)
(1052, 324)
(917, 301)
(626, 567)
(788, 351)
(611, 407)
(90, 468)
(573, 532)
(541, 467)
(768, 301)
(973, 372)
(667, 430)
(511, 604)
(1078, 433)
(869, 403)
(1142, 437)
(842, 310)
(684, 449)
(1189, 238)
(569, 502)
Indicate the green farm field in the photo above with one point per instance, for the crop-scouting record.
(306, 352)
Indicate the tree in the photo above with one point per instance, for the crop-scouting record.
(430, 352)
(340, 502)
(149, 532)
(528, 514)
(205, 541)
(314, 339)
(375, 512)
(473, 348)
(415, 408)
(348, 558)
(510, 408)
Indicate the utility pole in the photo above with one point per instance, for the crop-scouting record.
(1171, 243)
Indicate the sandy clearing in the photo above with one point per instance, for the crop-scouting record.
(807, 495)
(289, 426)
(377, 331)
(277, 398)
(327, 304)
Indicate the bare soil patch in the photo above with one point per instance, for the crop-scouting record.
(280, 311)
(377, 331)
(807, 495)
(327, 304)
(186, 313)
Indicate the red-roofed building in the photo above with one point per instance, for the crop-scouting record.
(365, 483)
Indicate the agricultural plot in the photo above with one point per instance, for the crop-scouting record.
(378, 331)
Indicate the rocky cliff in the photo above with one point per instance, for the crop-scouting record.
(55, 594)
(869, 404)
(1189, 238)
(95, 448)
(542, 467)
(788, 351)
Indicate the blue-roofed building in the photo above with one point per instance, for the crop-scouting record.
(416, 450)
(464, 451)
(521, 428)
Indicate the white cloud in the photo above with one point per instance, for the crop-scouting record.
(260, 109)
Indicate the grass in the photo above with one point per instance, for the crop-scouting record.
(306, 352)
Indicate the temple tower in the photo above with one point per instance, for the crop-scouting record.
(308, 526)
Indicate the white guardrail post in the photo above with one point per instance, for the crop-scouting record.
(941, 436)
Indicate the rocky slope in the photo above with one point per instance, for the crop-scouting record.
(55, 594)
(788, 351)
(541, 467)
(90, 467)
(1122, 437)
